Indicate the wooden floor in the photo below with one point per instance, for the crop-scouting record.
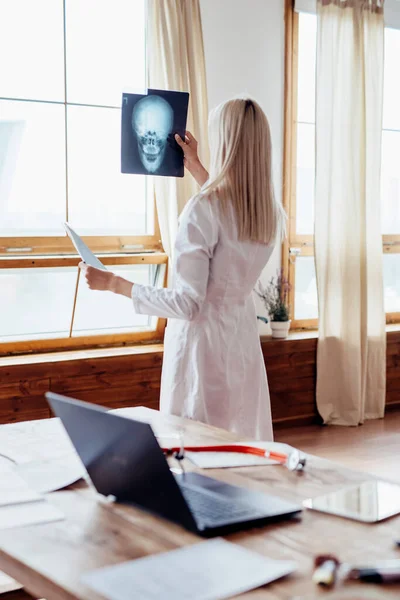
(373, 447)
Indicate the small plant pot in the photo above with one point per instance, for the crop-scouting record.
(280, 329)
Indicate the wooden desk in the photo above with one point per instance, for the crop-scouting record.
(49, 559)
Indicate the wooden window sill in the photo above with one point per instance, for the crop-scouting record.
(49, 357)
(293, 335)
(392, 330)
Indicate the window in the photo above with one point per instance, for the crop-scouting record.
(300, 168)
(66, 64)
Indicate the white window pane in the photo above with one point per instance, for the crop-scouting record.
(391, 94)
(104, 312)
(36, 303)
(32, 168)
(306, 68)
(105, 50)
(391, 278)
(305, 179)
(102, 200)
(32, 49)
(306, 300)
(390, 182)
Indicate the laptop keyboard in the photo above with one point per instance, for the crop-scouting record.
(212, 508)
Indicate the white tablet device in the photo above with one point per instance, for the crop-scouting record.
(86, 255)
(369, 502)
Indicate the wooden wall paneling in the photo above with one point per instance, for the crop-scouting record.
(79, 367)
(24, 400)
(123, 397)
(114, 381)
(291, 370)
(132, 379)
(393, 371)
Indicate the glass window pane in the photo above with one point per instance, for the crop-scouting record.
(32, 49)
(104, 312)
(36, 303)
(306, 68)
(306, 299)
(391, 93)
(305, 179)
(32, 168)
(390, 182)
(391, 279)
(105, 50)
(102, 200)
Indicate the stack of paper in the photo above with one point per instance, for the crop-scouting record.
(45, 456)
(14, 490)
(51, 475)
(21, 505)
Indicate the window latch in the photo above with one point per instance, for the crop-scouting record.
(293, 254)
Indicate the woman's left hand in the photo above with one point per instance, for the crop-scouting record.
(104, 281)
(97, 279)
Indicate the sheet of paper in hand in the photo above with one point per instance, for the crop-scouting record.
(84, 252)
(148, 128)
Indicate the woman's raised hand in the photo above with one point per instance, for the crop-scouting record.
(189, 146)
(191, 159)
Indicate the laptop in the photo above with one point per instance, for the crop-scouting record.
(124, 461)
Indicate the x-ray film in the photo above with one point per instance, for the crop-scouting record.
(149, 125)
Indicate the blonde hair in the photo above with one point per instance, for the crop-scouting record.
(241, 170)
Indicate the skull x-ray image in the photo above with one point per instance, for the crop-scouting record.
(149, 125)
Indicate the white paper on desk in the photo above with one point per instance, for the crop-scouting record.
(14, 490)
(46, 476)
(218, 460)
(210, 570)
(8, 584)
(35, 440)
(31, 513)
(45, 456)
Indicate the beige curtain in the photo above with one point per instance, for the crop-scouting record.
(351, 356)
(176, 62)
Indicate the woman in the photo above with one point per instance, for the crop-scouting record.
(213, 367)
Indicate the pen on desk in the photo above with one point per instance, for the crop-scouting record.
(328, 569)
(376, 575)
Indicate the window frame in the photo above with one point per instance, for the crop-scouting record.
(58, 251)
(56, 245)
(78, 342)
(295, 244)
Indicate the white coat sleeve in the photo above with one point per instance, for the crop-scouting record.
(195, 243)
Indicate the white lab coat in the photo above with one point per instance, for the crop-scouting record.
(213, 368)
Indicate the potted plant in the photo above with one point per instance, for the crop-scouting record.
(275, 298)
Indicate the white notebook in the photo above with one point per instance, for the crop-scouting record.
(210, 570)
